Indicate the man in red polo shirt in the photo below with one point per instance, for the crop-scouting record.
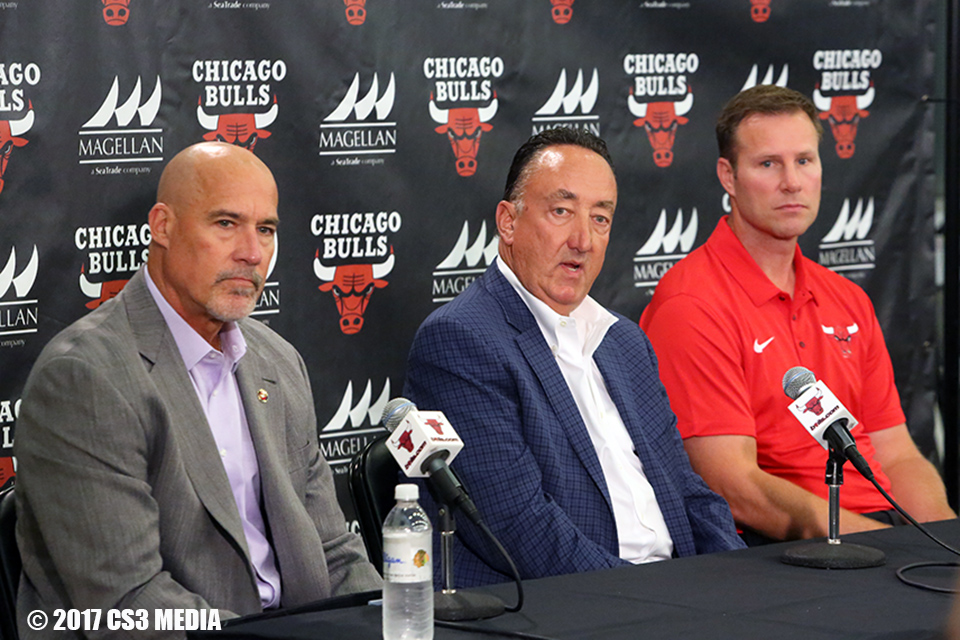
(730, 319)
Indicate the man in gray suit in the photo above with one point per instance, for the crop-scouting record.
(167, 446)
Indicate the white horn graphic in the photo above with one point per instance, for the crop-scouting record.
(206, 121)
(264, 120)
(89, 289)
(681, 108)
(639, 109)
(384, 268)
(322, 272)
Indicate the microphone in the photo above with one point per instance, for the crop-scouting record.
(424, 443)
(823, 415)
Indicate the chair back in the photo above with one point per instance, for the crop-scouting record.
(9, 565)
(373, 477)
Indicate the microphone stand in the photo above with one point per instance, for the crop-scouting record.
(832, 554)
(452, 605)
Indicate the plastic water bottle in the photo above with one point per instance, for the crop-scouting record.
(407, 569)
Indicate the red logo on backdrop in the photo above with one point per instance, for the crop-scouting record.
(463, 127)
(241, 129)
(843, 336)
(352, 285)
(116, 12)
(562, 10)
(356, 11)
(405, 441)
(844, 114)
(99, 291)
(436, 424)
(10, 130)
(661, 120)
(6, 472)
(814, 404)
(760, 10)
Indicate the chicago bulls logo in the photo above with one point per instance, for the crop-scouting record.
(844, 114)
(10, 132)
(6, 472)
(99, 291)
(562, 10)
(405, 441)
(116, 12)
(241, 129)
(660, 120)
(463, 127)
(356, 11)
(760, 10)
(814, 404)
(436, 424)
(352, 285)
(843, 336)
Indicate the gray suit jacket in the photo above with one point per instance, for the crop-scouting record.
(123, 501)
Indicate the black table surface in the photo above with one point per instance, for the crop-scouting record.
(739, 594)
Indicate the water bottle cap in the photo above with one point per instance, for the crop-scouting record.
(406, 492)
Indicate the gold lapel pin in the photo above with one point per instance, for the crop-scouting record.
(262, 395)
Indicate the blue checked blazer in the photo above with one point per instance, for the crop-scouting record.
(528, 461)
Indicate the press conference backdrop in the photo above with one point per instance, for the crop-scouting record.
(390, 125)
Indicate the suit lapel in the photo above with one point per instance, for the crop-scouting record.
(195, 440)
(538, 355)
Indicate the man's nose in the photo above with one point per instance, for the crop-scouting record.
(249, 247)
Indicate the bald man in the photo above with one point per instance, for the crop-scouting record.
(167, 445)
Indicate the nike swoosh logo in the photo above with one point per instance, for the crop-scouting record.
(760, 346)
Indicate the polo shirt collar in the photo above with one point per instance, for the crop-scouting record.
(744, 269)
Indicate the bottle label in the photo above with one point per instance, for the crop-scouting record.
(406, 557)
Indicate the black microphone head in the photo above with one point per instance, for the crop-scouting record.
(796, 380)
(395, 411)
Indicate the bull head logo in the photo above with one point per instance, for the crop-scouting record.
(660, 120)
(241, 129)
(464, 127)
(844, 114)
(760, 10)
(405, 441)
(10, 130)
(356, 11)
(99, 291)
(7, 472)
(116, 12)
(562, 10)
(843, 336)
(352, 285)
(814, 404)
(435, 424)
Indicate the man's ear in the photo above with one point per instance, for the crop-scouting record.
(506, 221)
(161, 221)
(726, 173)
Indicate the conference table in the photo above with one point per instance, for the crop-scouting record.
(743, 594)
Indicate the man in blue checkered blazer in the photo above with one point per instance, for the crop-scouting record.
(571, 451)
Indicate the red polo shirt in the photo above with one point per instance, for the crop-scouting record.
(725, 335)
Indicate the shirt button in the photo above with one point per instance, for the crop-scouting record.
(802, 345)
(794, 316)
(214, 394)
(223, 453)
(782, 298)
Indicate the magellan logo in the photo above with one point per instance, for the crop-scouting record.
(450, 278)
(466, 82)
(338, 443)
(576, 105)
(19, 315)
(244, 88)
(760, 11)
(844, 92)
(108, 137)
(114, 254)
(660, 252)
(659, 79)
(562, 11)
(13, 100)
(846, 247)
(269, 302)
(358, 245)
(338, 137)
(116, 12)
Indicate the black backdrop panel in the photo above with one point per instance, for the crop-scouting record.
(353, 105)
